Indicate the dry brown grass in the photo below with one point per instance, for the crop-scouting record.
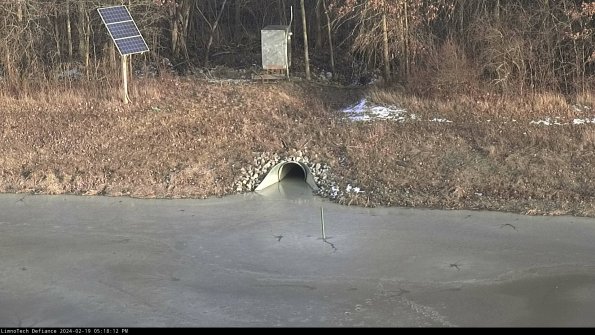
(187, 138)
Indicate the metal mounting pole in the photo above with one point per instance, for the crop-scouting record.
(124, 79)
(322, 222)
(288, 50)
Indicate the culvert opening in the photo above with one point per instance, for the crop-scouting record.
(292, 171)
(288, 170)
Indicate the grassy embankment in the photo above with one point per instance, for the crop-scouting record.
(190, 138)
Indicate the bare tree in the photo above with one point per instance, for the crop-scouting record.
(330, 37)
(305, 30)
(212, 31)
(513, 45)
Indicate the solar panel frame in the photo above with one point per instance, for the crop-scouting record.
(123, 30)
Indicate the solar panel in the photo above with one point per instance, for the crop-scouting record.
(131, 45)
(123, 30)
(114, 14)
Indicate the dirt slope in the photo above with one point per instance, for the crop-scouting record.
(191, 138)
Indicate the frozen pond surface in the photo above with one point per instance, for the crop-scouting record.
(258, 260)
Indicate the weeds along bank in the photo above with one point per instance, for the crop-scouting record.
(188, 138)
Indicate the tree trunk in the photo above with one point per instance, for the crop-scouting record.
(305, 29)
(83, 30)
(113, 64)
(318, 25)
(180, 19)
(385, 53)
(185, 20)
(238, 21)
(57, 33)
(20, 4)
(68, 29)
(406, 41)
(208, 50)
(330, 36)
(174, 30)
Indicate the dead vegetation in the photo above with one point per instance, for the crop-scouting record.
(188, 138)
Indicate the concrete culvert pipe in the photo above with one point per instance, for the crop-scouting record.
(286, 170)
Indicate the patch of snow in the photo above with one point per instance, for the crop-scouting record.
(351, 189)
(365, 111)
(334, 191)
(556, 121)
(440, 120)
(356, 109)
(583, 121)
(548, 122)
(579, 121)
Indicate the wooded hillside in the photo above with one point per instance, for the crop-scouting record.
(429, 46)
